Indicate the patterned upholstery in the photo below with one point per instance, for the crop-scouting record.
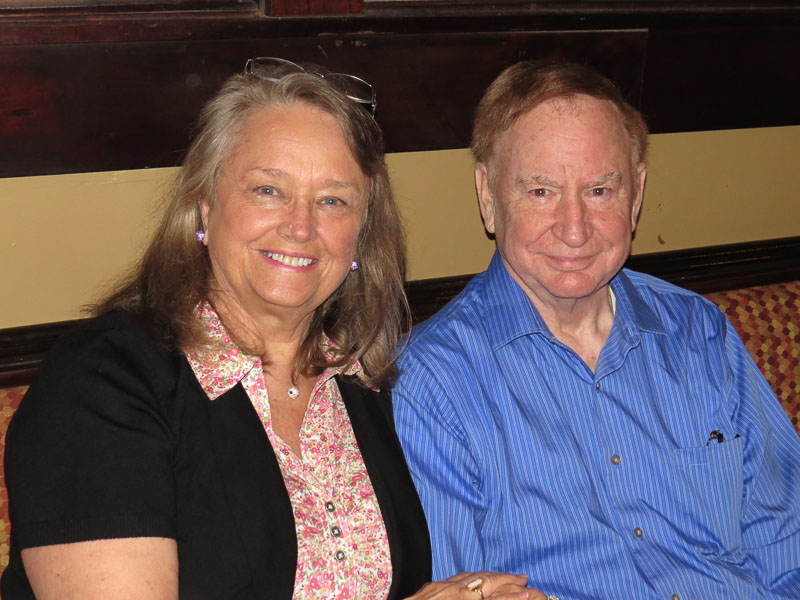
(766, 317)
(768, 320)
(9, 401)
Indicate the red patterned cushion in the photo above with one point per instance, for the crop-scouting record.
(9, 401)
(768, 320)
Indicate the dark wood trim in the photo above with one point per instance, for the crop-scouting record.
(22, 348)
(314, 7)
(703, 270)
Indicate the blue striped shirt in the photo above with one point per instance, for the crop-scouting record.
(601, 484)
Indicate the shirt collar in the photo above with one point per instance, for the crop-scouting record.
(513, 314)
(219, 365)
(632, 308)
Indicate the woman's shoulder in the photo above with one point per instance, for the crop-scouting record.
(116, 331)
(115, 346)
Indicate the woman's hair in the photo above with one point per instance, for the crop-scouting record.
(364, 316)
(527, 84)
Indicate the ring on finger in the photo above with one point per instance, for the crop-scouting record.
(476, 585)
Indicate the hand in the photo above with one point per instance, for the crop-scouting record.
(498, 586)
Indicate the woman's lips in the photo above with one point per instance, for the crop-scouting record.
(286, 259)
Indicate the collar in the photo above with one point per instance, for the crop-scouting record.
(511, 314)
(219, 365)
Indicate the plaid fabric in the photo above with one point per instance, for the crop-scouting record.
(9, 401)
(768, 320)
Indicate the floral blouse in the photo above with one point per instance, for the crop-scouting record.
(343, 550)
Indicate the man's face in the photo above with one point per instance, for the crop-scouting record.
(561, 196)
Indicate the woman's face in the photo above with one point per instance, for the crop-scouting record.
(290, 203)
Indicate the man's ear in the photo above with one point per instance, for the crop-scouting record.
(485, 202)
(638, 182)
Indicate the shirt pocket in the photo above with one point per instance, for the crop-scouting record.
(706, 500)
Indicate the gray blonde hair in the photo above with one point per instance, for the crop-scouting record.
(364, 316)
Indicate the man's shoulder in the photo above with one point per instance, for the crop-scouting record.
(677, 307)
(652, 287)
(448, 324)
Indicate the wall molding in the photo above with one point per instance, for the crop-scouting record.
(703, 270)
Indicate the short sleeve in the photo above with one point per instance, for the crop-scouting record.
(90, 451)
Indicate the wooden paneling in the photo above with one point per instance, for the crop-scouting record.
(92, 91)
(700, 79)
(95, 107)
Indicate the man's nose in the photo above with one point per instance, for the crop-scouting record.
(299, 223)
(572, 224)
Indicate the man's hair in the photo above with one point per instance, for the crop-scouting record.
(364, 316)
(527, 84)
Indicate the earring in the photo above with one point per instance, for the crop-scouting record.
(355, 265)
(200, 235)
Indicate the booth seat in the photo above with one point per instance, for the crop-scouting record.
(767, 318)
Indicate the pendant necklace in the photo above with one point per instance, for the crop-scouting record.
(292, 391)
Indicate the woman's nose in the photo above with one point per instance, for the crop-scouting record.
(298, 224)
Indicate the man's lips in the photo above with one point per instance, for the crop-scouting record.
(571, 263)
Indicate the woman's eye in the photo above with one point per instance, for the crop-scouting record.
(266, 190)
(332, 201)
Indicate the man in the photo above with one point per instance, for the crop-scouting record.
(600, 430)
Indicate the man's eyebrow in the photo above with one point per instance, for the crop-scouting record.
(605, 178)
(536, 178)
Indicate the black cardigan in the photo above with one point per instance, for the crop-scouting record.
(116, 438)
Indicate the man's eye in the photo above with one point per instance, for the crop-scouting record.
(599, 192)
(332, 201)
(539, 192)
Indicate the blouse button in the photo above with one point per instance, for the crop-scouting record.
(675, 597)
(330, 506)
(597, 385)
(336, 531)
(638, 532)
(615, 460)
(339, 555)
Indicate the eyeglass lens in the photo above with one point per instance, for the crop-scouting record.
(273, 69)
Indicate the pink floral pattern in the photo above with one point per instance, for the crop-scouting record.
(343, 551)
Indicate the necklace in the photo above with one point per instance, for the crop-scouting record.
(292, 391)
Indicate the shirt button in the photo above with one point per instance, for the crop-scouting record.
(638, 532)
(615, 460)
(597, 385)
(330, 506)
(336, 531)
(339, 555)
(675, 597)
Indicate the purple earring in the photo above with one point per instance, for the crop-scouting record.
(200, 235)
(355, 265)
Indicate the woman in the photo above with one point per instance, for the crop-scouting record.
(217, 430)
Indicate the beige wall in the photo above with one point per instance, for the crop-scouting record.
(64, 238)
